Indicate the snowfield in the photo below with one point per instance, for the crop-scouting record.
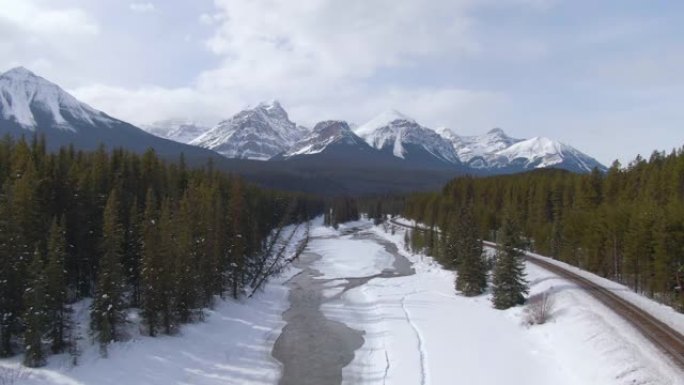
(232, 346)
(417, 330)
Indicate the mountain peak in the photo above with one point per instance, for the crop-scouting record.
(18, 73)
(331, 127)
(29, 100)
(270, 104)
(393, 115)
(384, 119)
(255, 133)
(323, 135)
(496, 131)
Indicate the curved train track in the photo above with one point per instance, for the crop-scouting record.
(668, 340)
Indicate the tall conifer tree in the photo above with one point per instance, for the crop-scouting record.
(508, 279)
(35, 315)
(107, 309)
(472, 269)
(56, 295)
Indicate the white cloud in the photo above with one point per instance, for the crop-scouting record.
(275, 41)
(149, 104)
(38, 36)
(142, 7)
(33, 19)
(321, 58)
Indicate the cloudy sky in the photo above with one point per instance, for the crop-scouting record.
(604, 76)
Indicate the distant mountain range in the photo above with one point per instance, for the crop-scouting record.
(265, 132)
(390, 153)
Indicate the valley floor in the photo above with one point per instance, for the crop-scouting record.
(360, 281)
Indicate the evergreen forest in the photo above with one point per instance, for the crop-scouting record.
(129, 231)
(626, 224)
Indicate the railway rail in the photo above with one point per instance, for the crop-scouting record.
(665, 338)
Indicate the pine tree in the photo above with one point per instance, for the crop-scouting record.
(106, 314)
(238, 244)
(56, 286)
(11, 272)
(132, 253)
(451, 245)
(167, 259)
(35, 315)
(472, 269)
(151, 265)
(186, 257)
(508, 279)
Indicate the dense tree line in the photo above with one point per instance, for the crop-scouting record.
(379, 206)
(127, 230)
(626, 224)
(458, 246)
(340, 210)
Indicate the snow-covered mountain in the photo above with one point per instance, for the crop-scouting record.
(540, 152)
(497, 152)
(257, 133)
(30, 104)
(28, 101)
(179, 130)
(477, 150)
(394, 132)
(325, 134)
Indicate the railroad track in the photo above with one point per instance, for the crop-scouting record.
(668, 340)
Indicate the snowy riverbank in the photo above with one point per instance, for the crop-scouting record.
(416, 330)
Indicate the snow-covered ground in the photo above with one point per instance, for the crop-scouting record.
(665, 313)
(417, 331)
(232, 346)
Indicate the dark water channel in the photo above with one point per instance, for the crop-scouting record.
(312, 348)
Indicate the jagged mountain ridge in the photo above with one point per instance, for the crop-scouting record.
(324, 134)
(497, 152)
(394, 132)
(331, 159)
(31, 105)
(250, 135)
(257, 133)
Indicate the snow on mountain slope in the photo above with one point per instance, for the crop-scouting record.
(30, 104)
(179, 130)
(258, 133)
(27, 100)
(479, 151)
(540, 152)
(496, 151)
(395, 131)
(323, 135)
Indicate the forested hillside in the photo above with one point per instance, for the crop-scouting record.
(129, 231)
(626, 224)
